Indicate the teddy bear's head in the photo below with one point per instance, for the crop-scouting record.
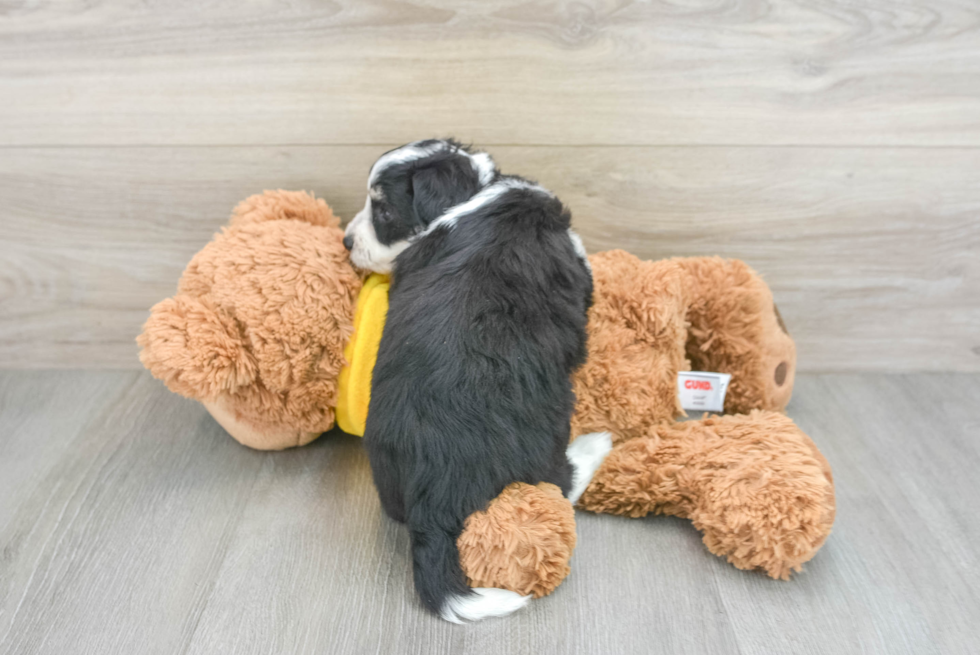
(258, 327)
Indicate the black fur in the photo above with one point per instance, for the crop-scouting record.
(472, 388)
(415, 193)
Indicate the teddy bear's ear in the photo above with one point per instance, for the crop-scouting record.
(284, 205)
(197, 350)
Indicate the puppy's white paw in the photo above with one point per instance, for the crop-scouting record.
(483, 603)
(586, 455)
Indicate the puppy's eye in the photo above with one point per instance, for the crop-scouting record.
(382, 214)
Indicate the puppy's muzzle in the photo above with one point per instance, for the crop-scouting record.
(349, 242)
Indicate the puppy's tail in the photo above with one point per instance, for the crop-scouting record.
(441, 584)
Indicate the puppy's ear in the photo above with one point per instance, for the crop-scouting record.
(437, 188)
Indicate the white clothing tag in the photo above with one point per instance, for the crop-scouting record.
(701, 391)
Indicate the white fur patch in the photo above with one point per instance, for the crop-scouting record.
(482, 162)
(484, 167)
(406, 153)
(368, 253)
(586, 455)
(485, 602)
(484, 197)
(579, 248)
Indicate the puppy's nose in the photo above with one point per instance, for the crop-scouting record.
(348, 242)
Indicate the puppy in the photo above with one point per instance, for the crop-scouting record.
(486, 323)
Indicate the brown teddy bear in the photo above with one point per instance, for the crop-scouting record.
(272, 329)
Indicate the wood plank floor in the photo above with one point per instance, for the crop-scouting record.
(130, 523)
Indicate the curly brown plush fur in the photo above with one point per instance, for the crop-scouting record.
(734, 326)
(522, 542)
(650, 320)
(257, 331)
(755, 485)
(258, 326)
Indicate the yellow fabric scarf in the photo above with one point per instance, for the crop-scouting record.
(361, 353)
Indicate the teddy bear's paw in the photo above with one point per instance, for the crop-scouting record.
(586, 455)
(483, 603)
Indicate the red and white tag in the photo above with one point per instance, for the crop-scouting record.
(701, 391)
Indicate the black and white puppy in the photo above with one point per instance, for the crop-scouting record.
(486, 323)
(408, 188)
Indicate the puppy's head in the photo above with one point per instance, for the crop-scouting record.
(408, 188)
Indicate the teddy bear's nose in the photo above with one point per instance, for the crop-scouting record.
(348, 242)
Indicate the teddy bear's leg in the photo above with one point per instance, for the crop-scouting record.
(754, 484)
(522, 542)
(735, 327)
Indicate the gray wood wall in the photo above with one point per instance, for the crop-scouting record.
(834, 145)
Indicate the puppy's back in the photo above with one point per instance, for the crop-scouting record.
(472, 387)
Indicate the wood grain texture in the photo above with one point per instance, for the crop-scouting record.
(873, 253)
(597, 72)
(902, 554)
(126, 518)
(135, 525)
